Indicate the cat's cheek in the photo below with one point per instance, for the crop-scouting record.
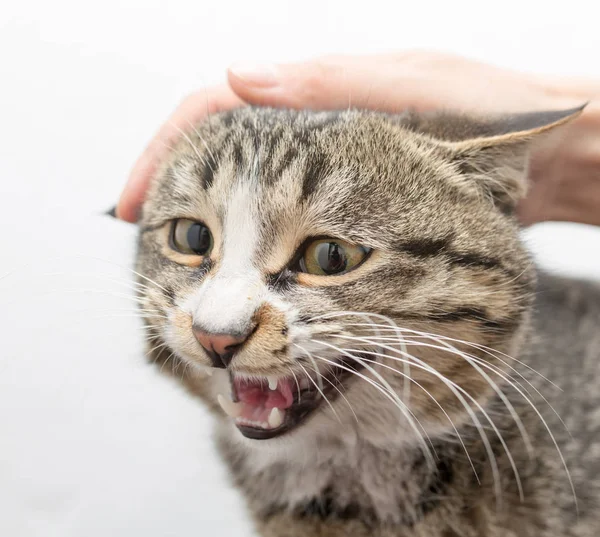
(180, 338)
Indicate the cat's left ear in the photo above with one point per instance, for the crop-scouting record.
(493, 155)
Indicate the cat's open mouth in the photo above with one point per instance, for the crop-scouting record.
(268, 407)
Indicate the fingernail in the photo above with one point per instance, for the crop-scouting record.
(262, 76)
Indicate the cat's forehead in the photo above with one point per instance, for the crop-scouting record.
(297, 160)
(291, 175)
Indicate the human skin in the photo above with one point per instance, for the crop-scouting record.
(564, 169)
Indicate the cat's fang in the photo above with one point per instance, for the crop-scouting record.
(230, 408)
(272, 383)
(304, 384)
(275, 418)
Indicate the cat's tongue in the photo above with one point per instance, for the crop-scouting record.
(256, 393)
(260, 403)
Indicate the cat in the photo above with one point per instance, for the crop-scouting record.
(348, 294)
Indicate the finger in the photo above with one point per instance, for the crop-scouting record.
(192, 110)
(387, 83)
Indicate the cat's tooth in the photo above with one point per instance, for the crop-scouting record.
(230, 408)
(272, 383)
(208, 371)
(275, 418)
(304, 384)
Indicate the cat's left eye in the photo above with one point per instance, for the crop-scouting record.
(190, 237)
(326, 257)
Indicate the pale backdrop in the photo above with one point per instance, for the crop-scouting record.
(93, 443)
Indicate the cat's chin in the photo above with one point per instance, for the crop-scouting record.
(265, 408)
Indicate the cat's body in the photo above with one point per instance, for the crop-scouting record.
(473, 456)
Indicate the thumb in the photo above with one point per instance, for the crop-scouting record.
(327, 83)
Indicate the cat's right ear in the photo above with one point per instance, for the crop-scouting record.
(492, 154)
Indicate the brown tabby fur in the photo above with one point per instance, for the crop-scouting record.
(433, 196)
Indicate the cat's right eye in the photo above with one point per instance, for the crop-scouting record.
(190, 237)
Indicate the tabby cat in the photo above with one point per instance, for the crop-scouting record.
(349, 295)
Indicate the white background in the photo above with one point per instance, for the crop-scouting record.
(93, 442)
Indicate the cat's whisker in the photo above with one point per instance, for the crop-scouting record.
(492, 352)
(508, 378)
(128, 316)
(417, 342)
(317, 372)
(171, 355)
(319, 376)
(146, 278)
(130, 284)
(401, 404)
(186, 366)
(319, 383)
(400, 341)
(51, 292)
(453, 350)
(151, 327)
(212, 156)
(185, 136)
(393, 397)
(500, 394)
(457, 391)
(156, 348)
(151, 339)
(134, 311)
(320, 390)
(554, 441)
(84, 257)
(489, 350)
(167, 146)
(340, 392)
(207, 110)
(88, 314)
(438, 404)
(116, 294)
(522, 430)
(297, 383)
(129, 309)
(494, 386)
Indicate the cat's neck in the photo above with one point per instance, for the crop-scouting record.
(342, 479)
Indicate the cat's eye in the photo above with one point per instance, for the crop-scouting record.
(331, 256)
(190, 237)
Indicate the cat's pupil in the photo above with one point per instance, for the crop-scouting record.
(331, 257)
(198, 238)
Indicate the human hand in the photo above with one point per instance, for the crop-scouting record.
(423, 81)
(192, 110)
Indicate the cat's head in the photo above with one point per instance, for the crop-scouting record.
(339, 272)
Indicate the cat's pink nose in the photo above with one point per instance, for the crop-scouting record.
(219, 347)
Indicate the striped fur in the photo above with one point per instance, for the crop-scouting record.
(433, 197)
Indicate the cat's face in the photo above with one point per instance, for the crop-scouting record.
(315, 262)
